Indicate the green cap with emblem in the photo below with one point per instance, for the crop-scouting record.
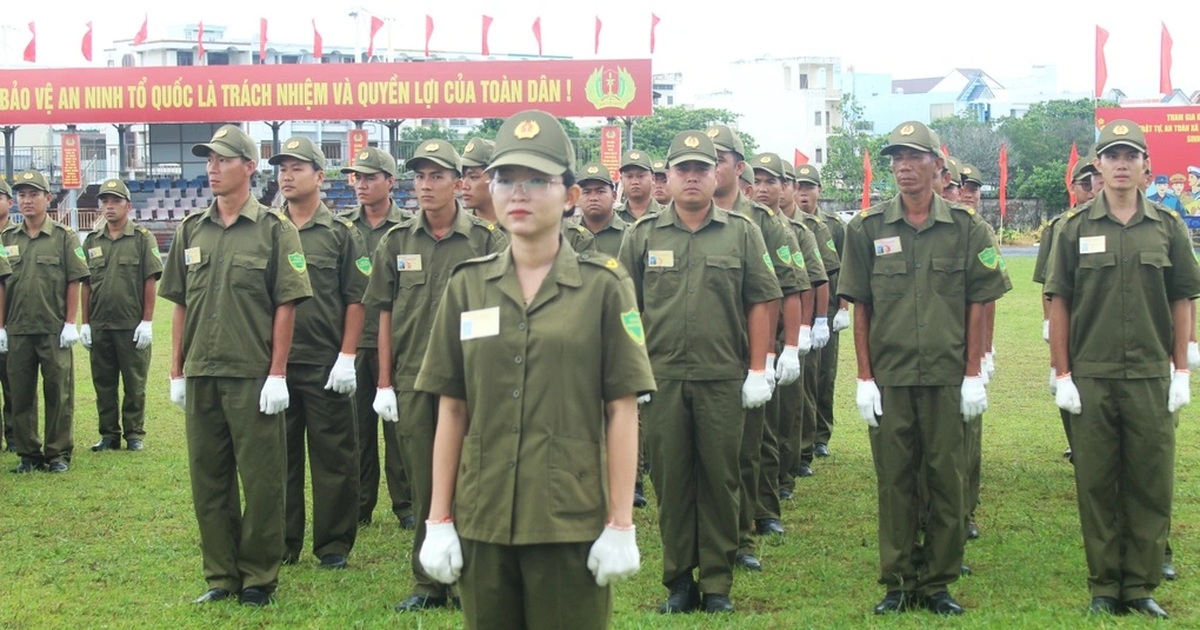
(300, 148)
(1121, 132)
(808, 173)
(1084, 169)
(228, 141)
(439, 152)
(32, 178)
(116, 188)
(913, 135)
(747, 176)
(477, 153)
(635, 158)
(594, 171)
(789, 171)
(534, 139)
(725, 139)
(692, 146)
(371, 160)
(970, 174)
(658, 167)
(5, 189)
(769, 162)
(955, 169)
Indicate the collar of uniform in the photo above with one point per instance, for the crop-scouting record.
(1099, 208)
(670, 217)
(251, 210)
(393, 216)
(565, 269)
(743, 205)
(47, 226)
(129, 230)
(614, 223)
(461, 223)
(938, 209)
(323, 217)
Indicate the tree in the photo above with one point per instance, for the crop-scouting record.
(654, 133)
(1046, 182)
(972, 142)
(842, 174)
(587, 143)
(428, 132)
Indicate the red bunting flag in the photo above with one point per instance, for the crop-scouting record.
(596, 48)
(1101, 66)
(867, 177)
(1003, 181)
(200, 39)
(1072, 162)
(945, 150)
(318, 43)
(376, 24)
(654, 20)
(537, 33)
(799, 158)
(428, 33)
(140, 37)
(31, 48)
(86, 46)
(487, 24)
(1164, 62)
(262, 40)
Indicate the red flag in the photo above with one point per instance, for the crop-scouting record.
(487, 24)
(86, 45)
(428, 32)
(140, 37)
(537, 33)
(200, 39)
(596, 48)
(1101, 66)
(31, 49)
(867, 177)
(1164, 62)
(1072, 162)
(318, 43)
(799, 158)
(262, 40)
(945, 151)
(376, 24)
(1003, 180)
(653, 25)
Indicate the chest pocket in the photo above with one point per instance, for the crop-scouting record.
(48, 260)
(322, 272)
(723, 274)
(663, 281)
(889, 278)
(248, 272)
(1156, 260)
(949, 277)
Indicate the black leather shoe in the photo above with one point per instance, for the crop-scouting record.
(821, 449)
(972, 530)
(895, 602)
(1146, 606)
(291, 558)
(639, 497)
(1168, 572)
(106, 444)
(416, 603)
(768, 527)
(58, 467)
(135, 444)
(943, 604)
(254, 596)
(1067, 453)
(1103, 606)
(785, 494)
(684, 597)
(408, 522)
(213, 595)
(805, 471)
(714, 603)
(364, 522)
(333, 561)
(748, 562)
(26, 466)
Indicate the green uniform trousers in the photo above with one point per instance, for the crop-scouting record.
(921, 431)
(418, 423)
(766, 503)
(749, 469)
(791, 399)
(826, 384)
(115, 361)
(27, 353)
(6, 407)
(974, 462)
(229, 439)
(808, 408)
(366, 366)
(1124, 451)
(1066, 422)
(693, 434)
(323, 420)
(531, 586)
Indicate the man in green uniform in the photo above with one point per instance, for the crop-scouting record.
(118, 307)
(43, 295)
(596, 205)
(410, 269)
(637, 182)
(321, 375)
(661, 192)
(236, 272)
(374, 176)
(1120, 278)
(6, 202)
(705, 285)
(926, 268)
(476, 191)
(746, 181)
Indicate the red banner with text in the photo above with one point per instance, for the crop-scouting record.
(1173, 142)
(610, 150)
(358, 140)
(72, 167)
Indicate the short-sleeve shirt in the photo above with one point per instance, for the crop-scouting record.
(622, 211)
(231, 280)
(1121, 281)
(411, 269)
(369, 338)
(42, 267)
(535, 379)
(806, 257)
(1044, 247)
(694, 288)
(119, 269)
(338, 270)
(775, 237)
(608, 239)
(837, 228)
(919, 282)
(579, 237)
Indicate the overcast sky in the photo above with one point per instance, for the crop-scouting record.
(1003, 38)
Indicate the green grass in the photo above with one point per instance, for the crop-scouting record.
(113, 543)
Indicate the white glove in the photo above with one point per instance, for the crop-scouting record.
(870, 402)
(1053, 381)
(756, 391)
(788, 366)
(85, 335)
(643, 399)
(1046, 330)
(1067, 395)
(772, 367)
(614, 555)
(841, 321)
(385, 404)
(989, 364)
(974, 397)
(806, 340)
(441, 553)
(179, 392)
(1193, 355)
(274, 397)
(3, 341)
(1180, 393)
(142, 335)
(69, 335)
(983, 373)
(820, 332)
(342, 378)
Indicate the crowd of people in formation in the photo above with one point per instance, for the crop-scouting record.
(535, 349)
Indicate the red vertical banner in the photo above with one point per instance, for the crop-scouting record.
(262, 40)
(31, 47)
(72, 167)
(487, 25)
(200, 43)
(85, 46)
(1003, 181)
(610, 149)
(1164, 62)
(867, 177)
(596, 48)
(376, 24)
(1101, 64)
(143, 33)
(318, 43)
(537, 33)
(1072, 162)
(799, 158)
(654, 20)
(428, 32)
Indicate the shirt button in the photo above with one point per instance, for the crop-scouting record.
(1125, 259)
(521, 326)
(518, 359)
(214, 316)
(221, 259)
(512, 464)
(918, 265)
(920, 295)
(514, 429)
(516, 393)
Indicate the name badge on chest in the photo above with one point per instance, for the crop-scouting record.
(479, 324)
(885, 246)
(1092, 245)
(95, 252)
(12, 250)
(660, 258)
(408, 262)
(191, 256)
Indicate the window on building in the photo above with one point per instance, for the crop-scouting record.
(127, 61)
(184, 58)
(217, 59)
(458, 122)
(332, 150)
(817, 119)
(266, 149)
(820, 156)
(290, 59)
(803, 81)
(670, 100)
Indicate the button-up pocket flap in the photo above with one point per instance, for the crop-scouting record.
(948, 265)
(128, 260)
(412, 278)
(248, 261)
(44, 259)
(321, 261)
(723, 262)
(1098, 261)
(1155, 259)
(890, 267)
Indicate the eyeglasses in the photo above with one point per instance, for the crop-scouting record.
(534, 186)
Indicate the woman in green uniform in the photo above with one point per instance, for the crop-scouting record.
(538, 354)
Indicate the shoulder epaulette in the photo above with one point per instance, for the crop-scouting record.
(278, 214)
(735, 213)
(608, 262)
(344, 221)
(968, 209)
(580, 229)
(476, 261)
(142, 230)
(645, 217)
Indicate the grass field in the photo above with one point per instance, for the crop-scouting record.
(113, 543)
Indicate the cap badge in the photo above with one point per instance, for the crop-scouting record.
(592, 170)
(470, 147)
(635, 156)
(966, 171)
(293, 144)
(221, 134)
(432, 146)
(526, 130)
(28, 176)
(1120, 130)
(907, 130)
(112, 184)
(658, 164)
(805, 171)
(712, 132)
(364, 155)
(764, 159)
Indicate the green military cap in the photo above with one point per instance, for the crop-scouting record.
(808, 173)
(5, 189)
(478, 152)
(634, 158)
(1118, 132)
(594, 171)
(970, 174)
(725, 139)
(747, 176)
(955, 169)
(32, 178)
(913, 135)
(789, 171)
(769, 162)
(228, 141)
(692, 145)
(116, 188)
(534, 139)
(371, 160)
(439, 152)
(300, 148)
(658, 167)
(1084, 169)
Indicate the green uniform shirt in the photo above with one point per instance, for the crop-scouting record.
(694, 288)
(807, 256)
(580, 238)
(837, 228)
(919, 283)
(411, 269)
(996, 243)
(1044, 247)
(369, 338)
(777, 240)
(826, 248)
(608, 239)
(1121, 280)
(41, 268)
(532, 468)
(231, 279)
(622, 211)
(338, 269)
(119, 269)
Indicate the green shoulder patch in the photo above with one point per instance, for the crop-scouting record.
(364, 265)
(80, 254)
(798, 259)
(831, 244)
(767, 259)
(632, 322)
(989, 258)
(297, 261)
(154, 252)
(785, 254)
